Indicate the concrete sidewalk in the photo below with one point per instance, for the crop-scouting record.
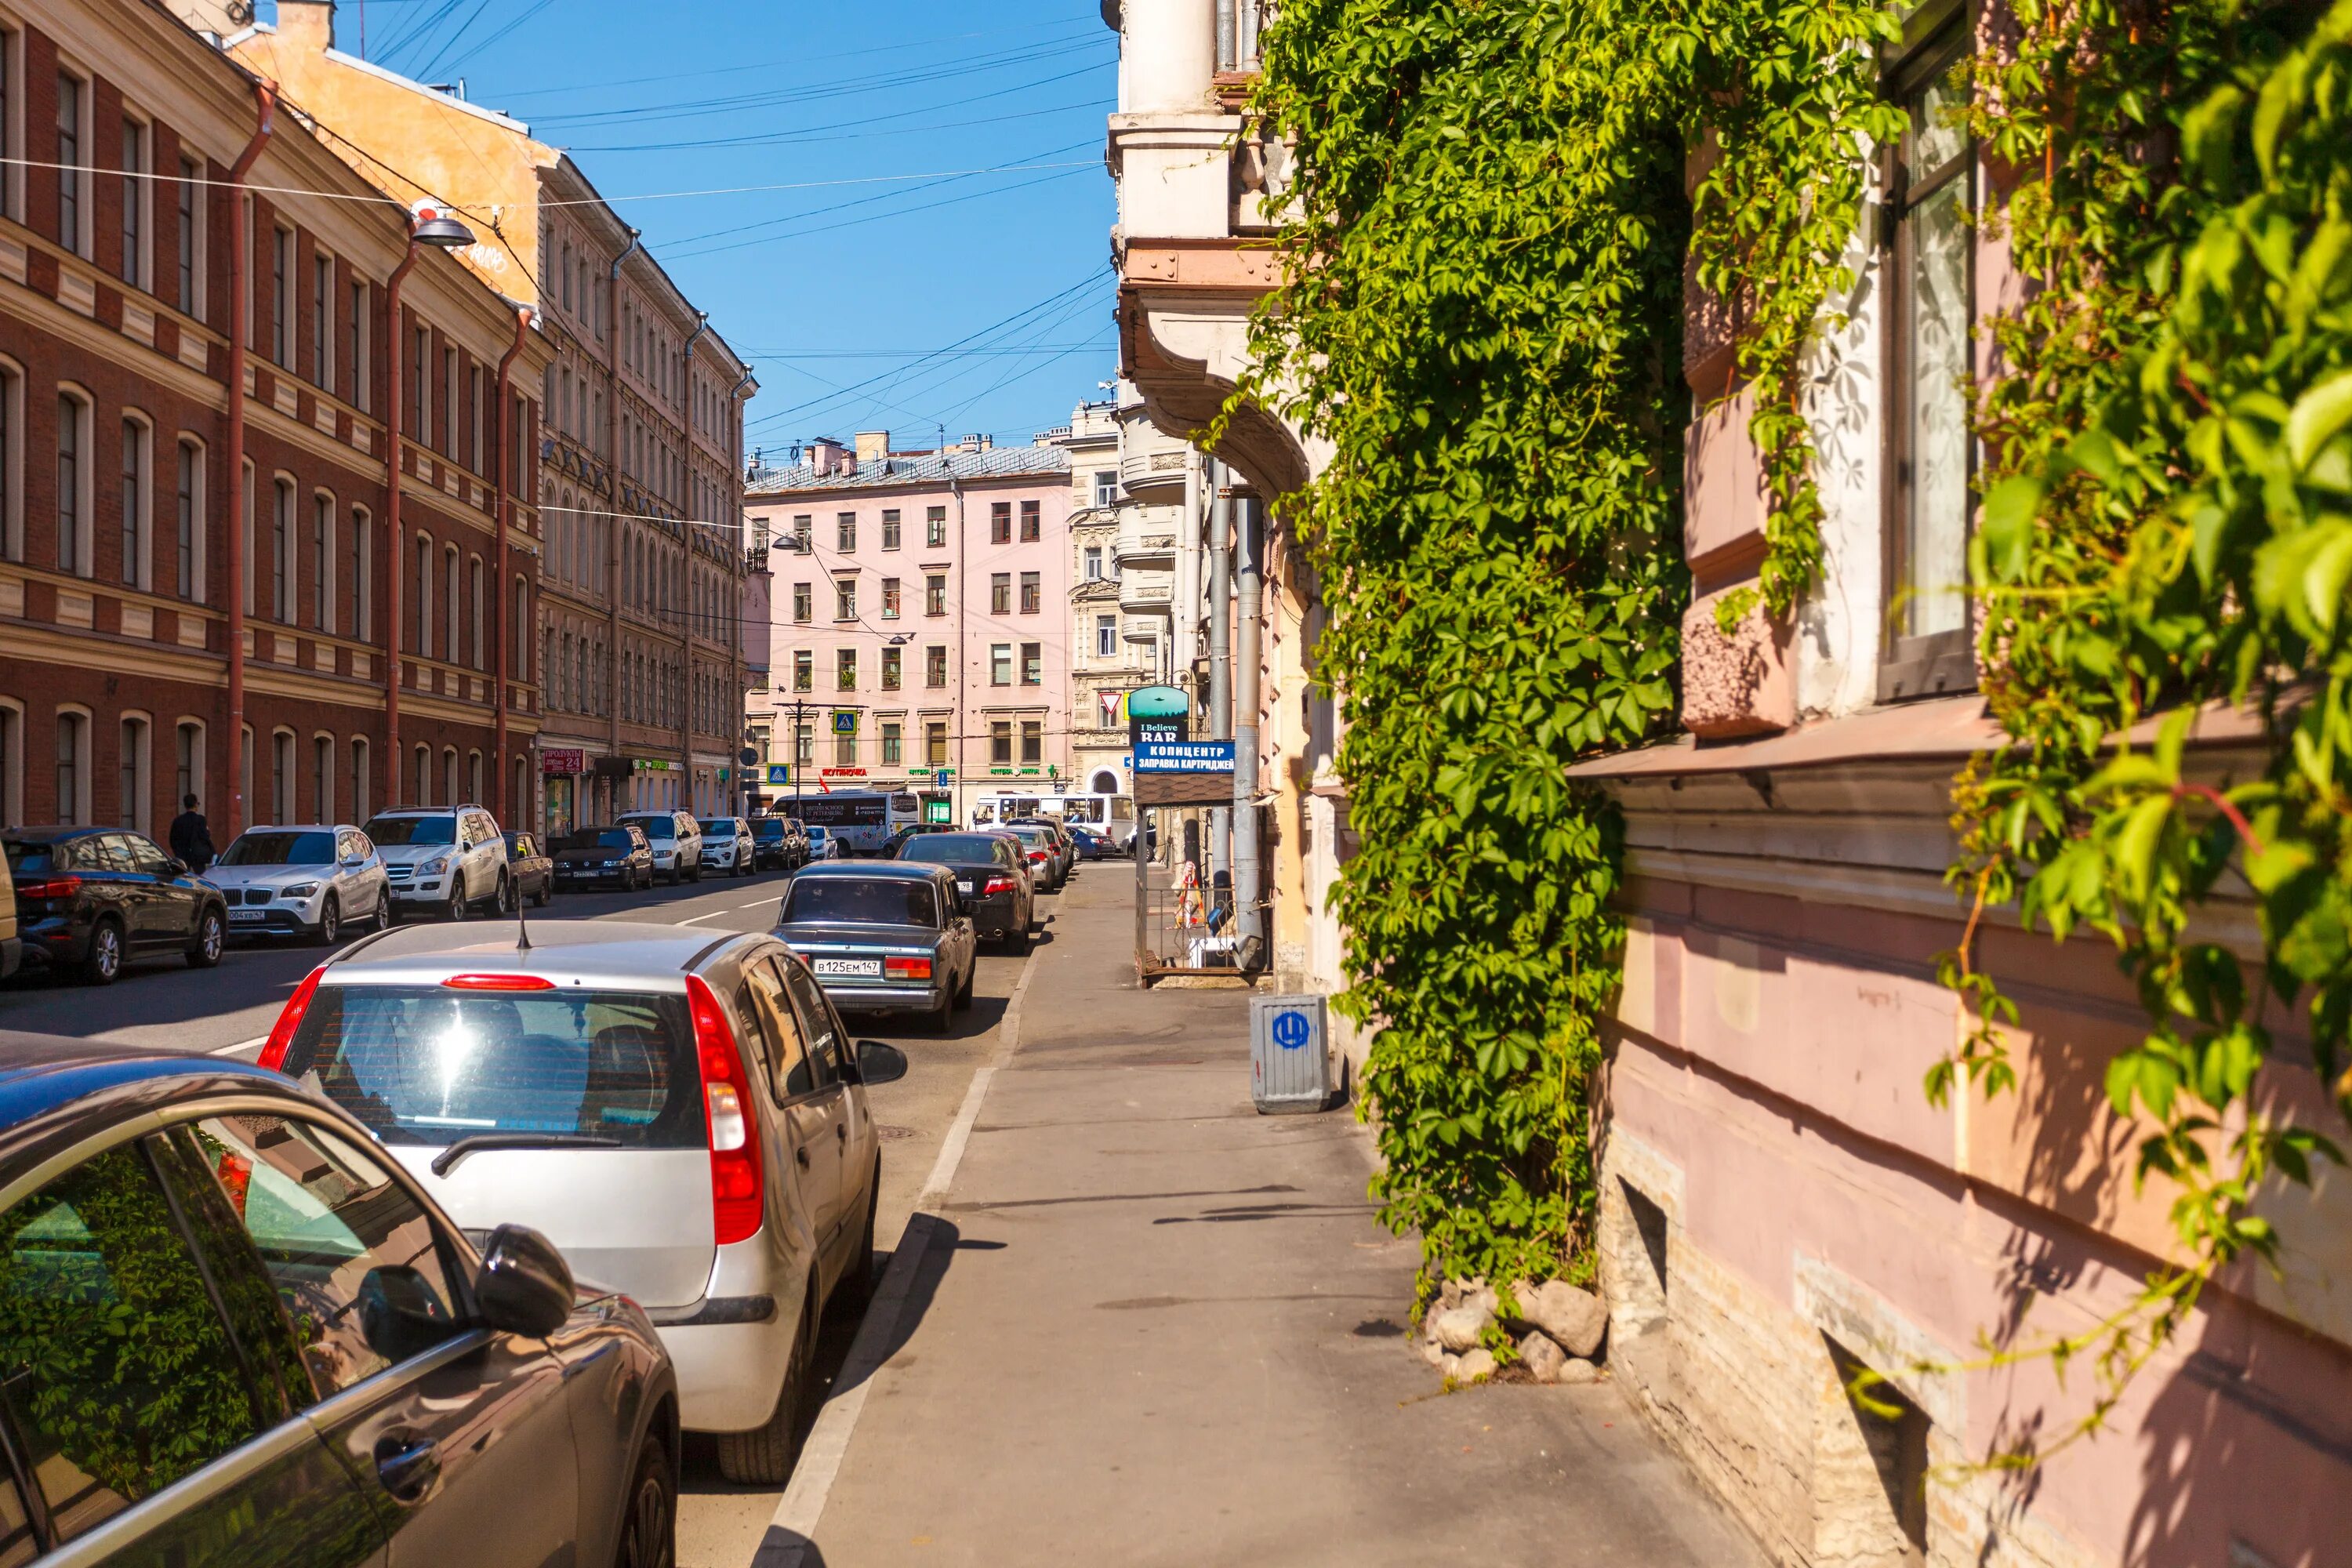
(1152, 1327)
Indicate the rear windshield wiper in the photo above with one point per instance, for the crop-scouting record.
(445, 1159)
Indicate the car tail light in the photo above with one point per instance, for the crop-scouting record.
(281, 1034)
(55, 888)
(1035, 856)
(907, 968)
(998, 885)
(736, 1197)
(498, 983)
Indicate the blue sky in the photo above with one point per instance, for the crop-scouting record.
(829, 288)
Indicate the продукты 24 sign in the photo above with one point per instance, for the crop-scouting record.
(1185, 757)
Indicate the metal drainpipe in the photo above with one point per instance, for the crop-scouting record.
(1248, 877)
(962, 548)
(239, 327)
(396, 547)
(686, 708)
(1221, 656)
(504, 670)
(735, 658)
(613, 473)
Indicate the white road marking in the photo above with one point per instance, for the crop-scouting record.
(792, 1531)
(256, 1041)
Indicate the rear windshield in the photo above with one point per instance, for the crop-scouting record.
(858, 901)
(414, 830)
(421, 1065)
(281, 849)
(767, 827)
(655, 826)
(34, 857)
(722, 824)
(950, 850)
(591, 838)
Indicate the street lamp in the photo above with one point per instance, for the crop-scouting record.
(431, 224)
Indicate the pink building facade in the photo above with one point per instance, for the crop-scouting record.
(918, 620)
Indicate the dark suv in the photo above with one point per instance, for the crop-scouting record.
(236, 1332)
(779, 841)
(994, 879)
(92, 898)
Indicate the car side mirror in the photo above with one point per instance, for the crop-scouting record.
(879, 1063)
(525, 1287)
(353, 862)
(179, 866)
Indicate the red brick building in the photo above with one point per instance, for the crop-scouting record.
(364, 632)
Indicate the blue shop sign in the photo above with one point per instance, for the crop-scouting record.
(1185, 757)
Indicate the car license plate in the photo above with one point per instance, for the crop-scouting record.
(849, 968)
(964, 888)
(239, 917)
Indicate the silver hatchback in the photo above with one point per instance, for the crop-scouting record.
(682, 1114)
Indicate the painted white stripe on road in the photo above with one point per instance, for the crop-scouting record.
(791, 1533)
(252, 1045)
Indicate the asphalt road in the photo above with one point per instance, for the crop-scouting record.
(163, 1003)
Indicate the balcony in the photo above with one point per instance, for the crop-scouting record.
(1153, 476)
(1145, 542)
(1143, 628)
(1137, 592)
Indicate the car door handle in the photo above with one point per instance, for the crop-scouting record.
(406, 1463)
(802, 1155)
(841, 1131)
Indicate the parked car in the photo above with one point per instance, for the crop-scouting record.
(615, 854)
(238, 1333)
(779, 841)
(680, 1110)
(913, 830)
(992, 878)
(447, 858)
(676, 841)
(1042, 850)
(727, 846)
(887, 936)
(823, 844)
(93, 898)
(532, 869)
(314, 881)
(12, 946)
(1090, 845)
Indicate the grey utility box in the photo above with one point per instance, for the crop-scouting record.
(1289, 1067)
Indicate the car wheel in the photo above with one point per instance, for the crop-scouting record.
(546, 894)
(104, 962)
(503, 902)
(212, 937)
(765, 1455)
(458, 909)
(1016, 941)
(649, 1528)
(942, 1018)
(964, 992)
(331, 922)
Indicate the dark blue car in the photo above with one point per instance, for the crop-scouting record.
(90, 900)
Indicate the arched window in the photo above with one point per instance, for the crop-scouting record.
(449, 776)
(423, 641)
(188, 776)
(71, 780)
(281, 777)
(474, 610)
(281, 553)
(132, 806)
(520, 641)
(138, 467)
(359, 779)
(424, 777)
(473, 790)
(322, 778)
(188, 522)
(362, 575)
(453, 602)
(75, 543)
(12, 462)
(322, 562)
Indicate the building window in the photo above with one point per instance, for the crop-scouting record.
(424, 637)
(449, 404)
(1000, 522)
(189, 519)
(357, 326)
(134, 204)
(12, 387)
(1093, 562)
(803, 533)
(282, 778)
(73, 512)
(322, 779)
(281, 301)
(846, 533)
(1033, 740)
(1106, 487)
(935, 527)
(134, 503)
(890, 598)
(322, 563)
(935, 745)
(804, 603)
(892, 668)
(362, 576)
(1000, 593)
(453, 605)
(73, 746)
(1033, 664)
(893, 742)
(322, 321)
(130, 774)
(935, 595)
(70, 160)
(1000, 664)
(191, 237)
(1105, 637)
(1931, 195)
(188, 778)
(281, 554)
(844, 750)
(935, 666)
(1030, 532)
(844, 599)
(804, 745)
(891, 529)
(1000, 742)
(1032, 594)
(360, 812)
(845, 670)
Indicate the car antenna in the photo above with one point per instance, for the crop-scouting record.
(522, 927)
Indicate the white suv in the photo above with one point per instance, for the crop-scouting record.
(451, 859)
(675, 838)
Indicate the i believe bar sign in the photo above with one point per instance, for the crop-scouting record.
(1185, 757)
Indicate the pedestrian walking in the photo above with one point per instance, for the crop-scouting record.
(192, 835)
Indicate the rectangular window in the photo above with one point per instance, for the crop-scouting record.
(69, 508)
(934, 595)
(803, 670)
(1033, 740)
(844, 599)
(935, 527)
(70, 173)
(1033, 664)
(893, 741)
(891, 667)
(1105, 488)
(1032, 594)
(844, 750)
(322, 323)
(935, 666)
(189, 516)
(1093, 562)
(803, 534)
(1000, 664)
(362, 576)
(449, 404)
(281, 299)
(1000, 742)
(1105, 637)
(891, 529)
(804, 745)
(1029, 523)
(192, 238)
(890, 598)
(845, 670)
(1000, 593)
(935, 745)
(1000, 522)
(480, 460)
(804, 603)
(281, 555)
(844, 528)
(135, 204)
(134, 496)
(420, 393)
(358, 328)
(1928, 646)
(322, 563)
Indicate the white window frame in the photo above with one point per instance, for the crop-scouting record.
(11, 459)
(195, 216)
(139, 203)
(362, 575)
(323, 780)
(139, 526)
(85, 526)
(285, 552)
(193, 445)
(324, 512)
(82, 242)
(285, 782)
(75, 812)
(322, 308)
(186, 724)
(137, 812)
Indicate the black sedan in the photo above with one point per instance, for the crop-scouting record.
(90, 900)
(593, 856)
(532, 870)
(991, 877)
(241, 1334)
(882, 937)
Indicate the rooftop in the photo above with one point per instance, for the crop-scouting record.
(913, 469)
